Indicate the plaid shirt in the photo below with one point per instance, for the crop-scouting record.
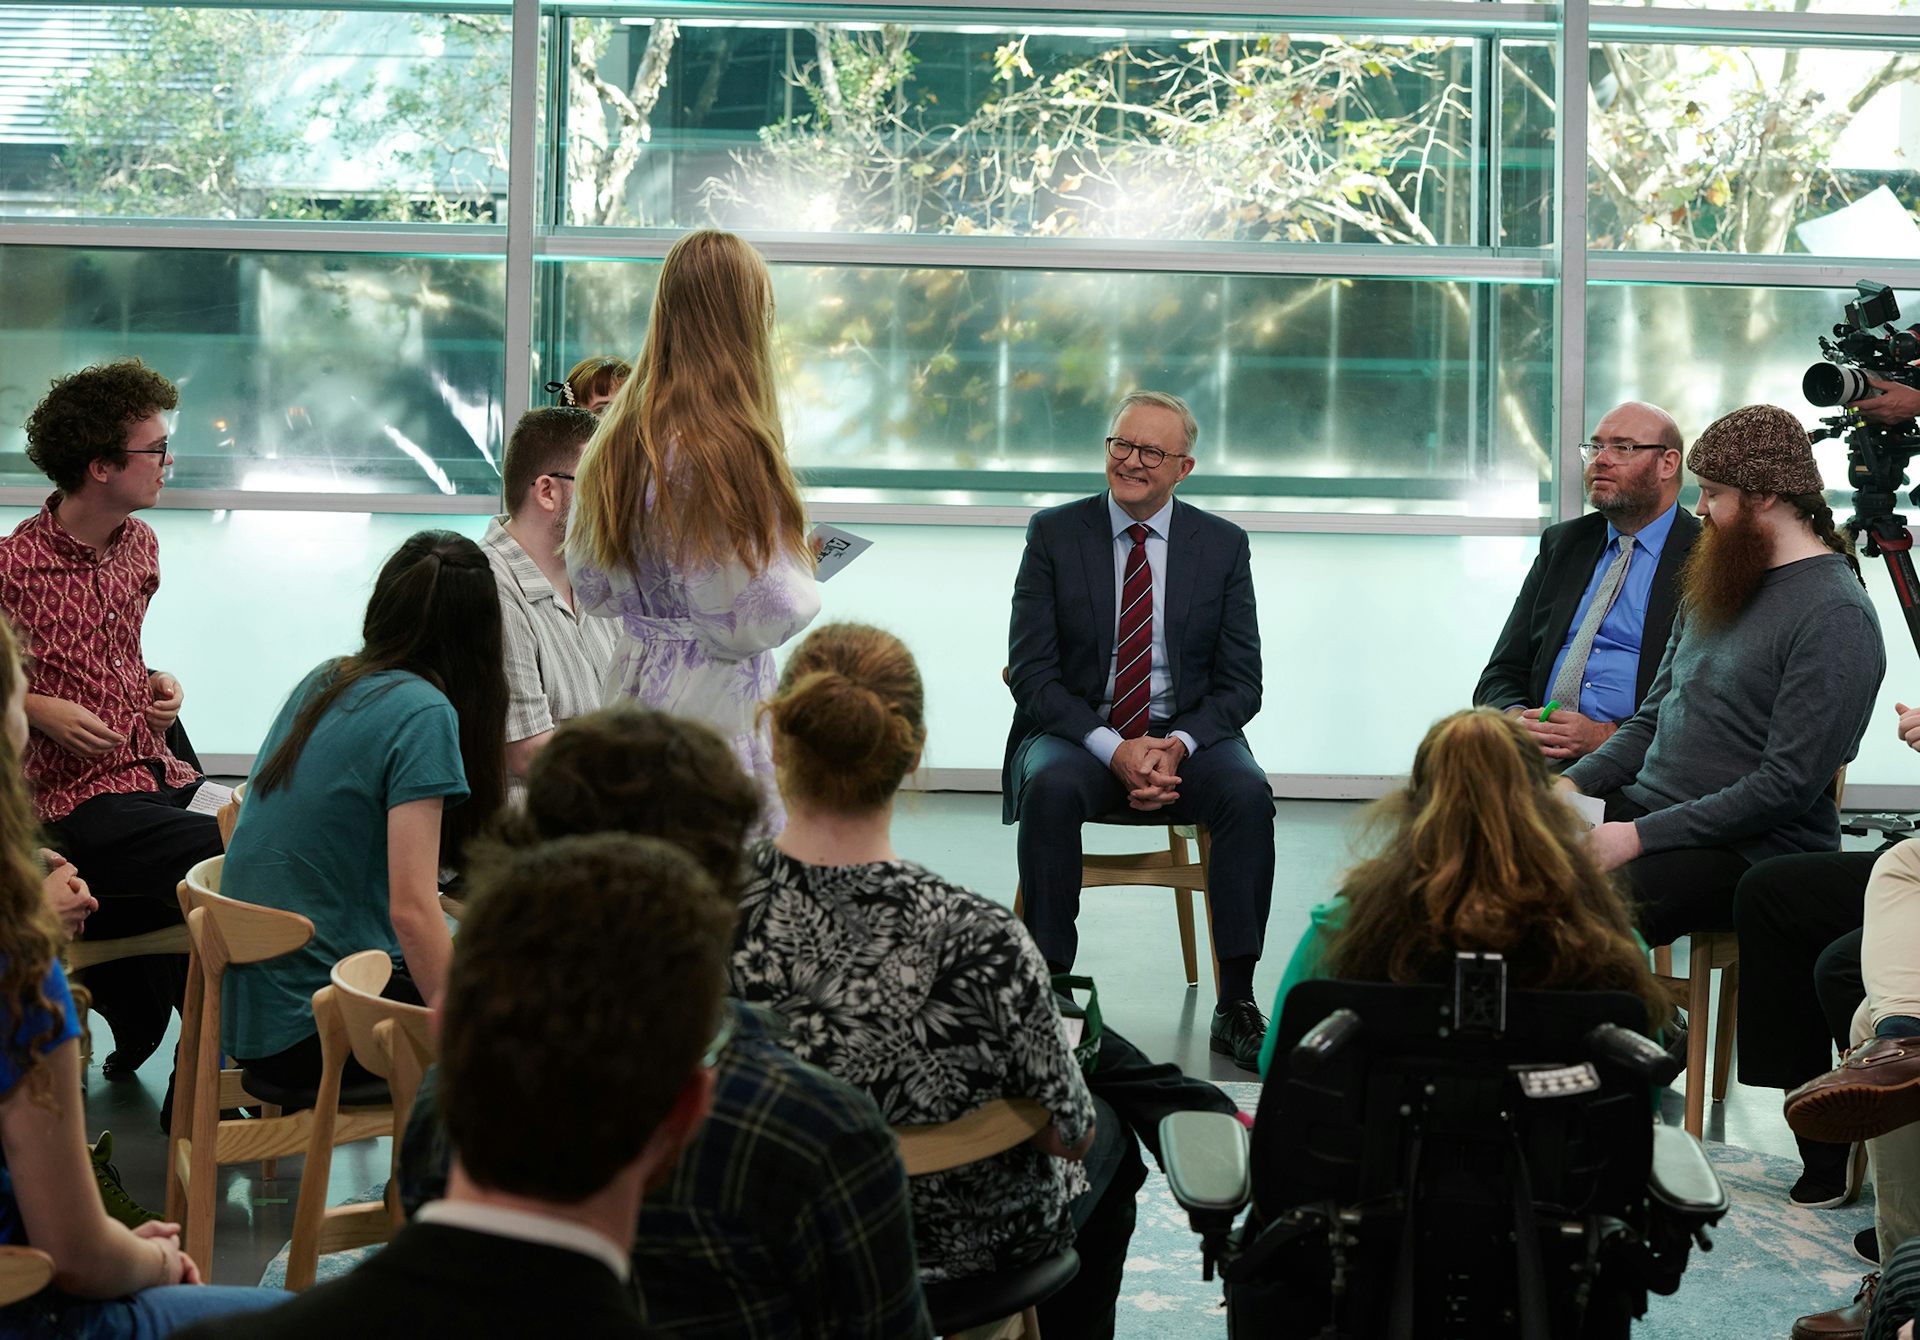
(80, 613)
(786, 1218)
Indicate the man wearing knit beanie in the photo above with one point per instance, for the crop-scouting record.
(1764, 694)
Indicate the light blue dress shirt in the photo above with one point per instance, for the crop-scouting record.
(1613, 666)
(1103, 740)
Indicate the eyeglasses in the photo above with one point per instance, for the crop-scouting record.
(1617, 452)
(149, 451)
(555, 474)
(1150, 457)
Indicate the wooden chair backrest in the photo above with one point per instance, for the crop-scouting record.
(987, 1130)
(225, 930)
(24, 1272)
(358, 980)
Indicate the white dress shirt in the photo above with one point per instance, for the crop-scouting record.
(1103, 740)
(526, 1226)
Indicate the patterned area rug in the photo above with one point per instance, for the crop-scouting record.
(1771, 1261)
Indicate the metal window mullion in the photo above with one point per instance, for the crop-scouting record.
(411, 240)
(1437, 16)
(522, 197)
(1570, 254)
(1750, 27)
(1626, 267)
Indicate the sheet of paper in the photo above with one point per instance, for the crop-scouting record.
(1076, 1029)
(1591, 808)
(835, 548)
(209, 798)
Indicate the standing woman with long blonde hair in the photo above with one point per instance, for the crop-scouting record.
(687, 526)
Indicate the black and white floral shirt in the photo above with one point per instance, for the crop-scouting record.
(935, 1001)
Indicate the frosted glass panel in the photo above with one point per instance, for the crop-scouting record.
(1366, 639)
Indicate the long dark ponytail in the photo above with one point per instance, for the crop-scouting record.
(435, 613)
(1813, 506)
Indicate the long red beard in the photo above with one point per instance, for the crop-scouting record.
(1725, 567)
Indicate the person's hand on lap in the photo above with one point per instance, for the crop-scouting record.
(1567, 734)
(1612, 845)
(1145, 768)
(67, 893)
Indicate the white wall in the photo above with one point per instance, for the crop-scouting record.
(1367, 638)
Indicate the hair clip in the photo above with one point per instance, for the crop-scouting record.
(564, 391)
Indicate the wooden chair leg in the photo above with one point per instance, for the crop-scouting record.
(1723, 1029)
(1019, 904)
(203, 1174)
(186, 1072)
(82, 1005)
(303, 1254)
(270, 1168)
(1663, 961)
(1030, 1324)
(1183, 907)
(1206, 877)
(1699, 982)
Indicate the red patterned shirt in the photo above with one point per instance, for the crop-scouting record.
(80, 613)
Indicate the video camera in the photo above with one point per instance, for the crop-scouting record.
(1877, 453)
(1856, 349)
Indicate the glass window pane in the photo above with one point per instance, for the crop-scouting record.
(303, 372)
(1788, 6)
(995, 385)
(253, 113)
(1699, 351)
(1527, 137)
(1753, 149)
(1043, 132)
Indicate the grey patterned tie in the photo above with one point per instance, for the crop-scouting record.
(1573, 670)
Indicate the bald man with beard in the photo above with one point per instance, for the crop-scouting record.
(1763, 695)
(1581, 635)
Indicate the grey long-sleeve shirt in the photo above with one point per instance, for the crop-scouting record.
(1746, 724)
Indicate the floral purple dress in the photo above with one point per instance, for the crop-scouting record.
(698, 643)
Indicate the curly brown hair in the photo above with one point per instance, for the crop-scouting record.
(29, 935)
(85, 417)
(634, 770)
(1476, 853)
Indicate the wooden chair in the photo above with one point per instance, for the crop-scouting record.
(1708, 951)
(24, 1272)
(83, 953)
(1168, 869)
(998, 1306)
(223, 932)
(392, 1040)
(453, 908)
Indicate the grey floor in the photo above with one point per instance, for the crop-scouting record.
(1128, 943)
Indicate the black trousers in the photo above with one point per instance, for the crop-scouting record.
(1103, 1220)
(1674, 892)
(133, 850)
(1062, 786)
(1142, 1092)
(1799, 919)
(299, 1066)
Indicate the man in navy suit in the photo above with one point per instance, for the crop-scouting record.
(1632, 479)
(1134, 661)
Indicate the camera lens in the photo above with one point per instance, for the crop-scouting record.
(1831, 384)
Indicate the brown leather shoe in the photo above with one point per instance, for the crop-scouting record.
(1875, 1090)
(1843, 1323)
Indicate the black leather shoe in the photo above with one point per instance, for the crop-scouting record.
(1238, 1031)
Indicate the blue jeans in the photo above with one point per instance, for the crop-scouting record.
(151, 1314)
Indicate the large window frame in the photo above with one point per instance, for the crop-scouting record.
(532, 237)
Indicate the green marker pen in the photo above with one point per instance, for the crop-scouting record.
(1546, 713)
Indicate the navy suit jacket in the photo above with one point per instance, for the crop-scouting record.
(1060, 647)
(1542, 615)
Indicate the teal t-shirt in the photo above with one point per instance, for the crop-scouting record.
(317, 844)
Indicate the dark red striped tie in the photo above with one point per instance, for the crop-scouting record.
(1134, 652)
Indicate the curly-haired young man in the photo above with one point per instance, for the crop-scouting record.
(111, 772)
